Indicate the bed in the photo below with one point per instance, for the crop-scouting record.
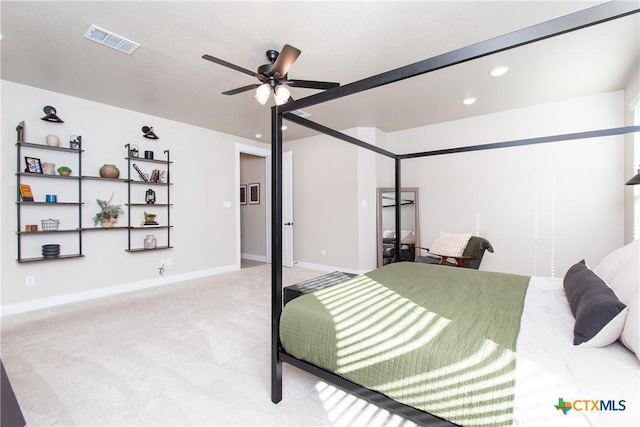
(471, 347)
(531, 381)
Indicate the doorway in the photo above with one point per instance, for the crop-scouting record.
(265, 202)
(253, 199)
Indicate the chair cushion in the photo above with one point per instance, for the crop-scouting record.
(450, 244)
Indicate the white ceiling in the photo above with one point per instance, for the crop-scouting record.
(342, 41)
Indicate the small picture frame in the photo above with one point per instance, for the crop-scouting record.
(33, 165)
(243, 194)
(254, 194)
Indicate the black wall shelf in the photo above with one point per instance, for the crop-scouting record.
(59, 257)
(134, 206)
(79, 178)
(21, 204)
(157, 248)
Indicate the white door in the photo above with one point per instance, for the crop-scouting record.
(287, 209)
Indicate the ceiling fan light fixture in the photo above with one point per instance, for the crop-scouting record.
(281, 94)
(262, 93)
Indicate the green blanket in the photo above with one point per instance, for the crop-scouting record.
(440, 339)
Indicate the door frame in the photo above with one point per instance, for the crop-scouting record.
(266, 154)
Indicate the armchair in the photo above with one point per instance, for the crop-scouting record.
(471, 256)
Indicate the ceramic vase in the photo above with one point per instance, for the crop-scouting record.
(109, 171)
(150, 241)
(48, 168)
(53, 140)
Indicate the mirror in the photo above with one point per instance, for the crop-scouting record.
(409, 225)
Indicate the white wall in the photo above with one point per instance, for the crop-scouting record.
(334, 202)
(542, 207)
(204, 233)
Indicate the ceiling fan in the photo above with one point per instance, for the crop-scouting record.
(273, 76)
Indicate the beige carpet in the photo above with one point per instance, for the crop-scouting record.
(193, 353)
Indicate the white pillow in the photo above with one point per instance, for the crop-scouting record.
(613, 263)
(626, 283)
(630, 337)
(388, 234)
(450, 244)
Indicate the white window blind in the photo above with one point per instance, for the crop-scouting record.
(636, 161)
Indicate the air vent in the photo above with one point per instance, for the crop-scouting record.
(301, 113)
(107, 38)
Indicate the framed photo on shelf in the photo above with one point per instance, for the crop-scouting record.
(33, 165)
(243, 194)
(254, 194)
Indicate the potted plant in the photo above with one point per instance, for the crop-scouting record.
(108, 214)
(149, 218)
(64, 170)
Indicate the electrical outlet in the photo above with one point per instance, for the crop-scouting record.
(30, 280)
(169, 262)
(323, 252)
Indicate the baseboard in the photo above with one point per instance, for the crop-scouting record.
(252, 257)
(23, 307)
(327, 268)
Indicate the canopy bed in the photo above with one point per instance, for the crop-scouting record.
(342, 357)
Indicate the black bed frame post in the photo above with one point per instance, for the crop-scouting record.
(398, 208)
(276, 252)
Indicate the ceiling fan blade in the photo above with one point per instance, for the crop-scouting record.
(285, 60)
(311, 84)
(241, 89)
(232, 66)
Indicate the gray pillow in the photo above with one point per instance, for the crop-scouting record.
(599, 313)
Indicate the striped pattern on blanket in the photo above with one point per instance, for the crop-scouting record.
(437, 338)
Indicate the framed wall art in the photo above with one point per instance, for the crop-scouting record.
(254, 194)
(243, 194)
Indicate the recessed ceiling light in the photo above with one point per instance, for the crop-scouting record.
(499, 71)
(469, 101)
(284, 128)
(258, 135)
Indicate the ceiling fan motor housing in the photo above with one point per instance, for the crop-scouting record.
(265, 69)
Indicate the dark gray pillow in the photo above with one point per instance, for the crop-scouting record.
(599, 313)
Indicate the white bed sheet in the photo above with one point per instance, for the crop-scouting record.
(550, 367)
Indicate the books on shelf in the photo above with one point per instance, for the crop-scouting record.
(25, 193)
(158, 176)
